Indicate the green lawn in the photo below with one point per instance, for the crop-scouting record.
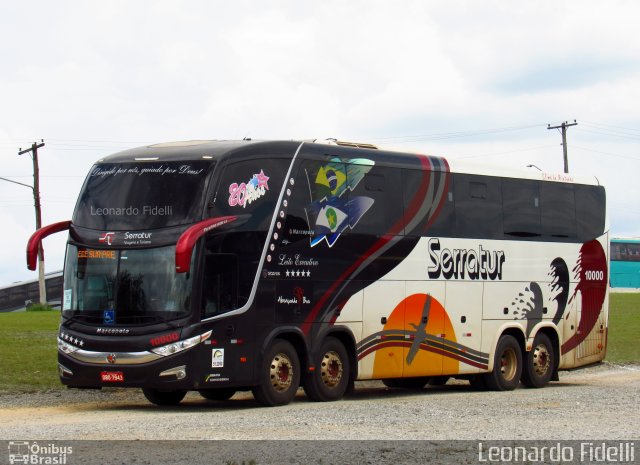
(624, 326)
(28, 360)
(28, 351)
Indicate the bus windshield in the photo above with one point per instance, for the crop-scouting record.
(124, 286)
(144, 195)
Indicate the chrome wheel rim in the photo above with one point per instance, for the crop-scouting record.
(281, 372)
(508, 364)
(331, 369)
(541, 359)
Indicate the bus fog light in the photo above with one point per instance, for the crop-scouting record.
(179, 372)
(64, 372)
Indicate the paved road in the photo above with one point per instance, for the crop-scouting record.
(599, 403)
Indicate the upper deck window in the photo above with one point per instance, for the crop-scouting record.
(143, 195)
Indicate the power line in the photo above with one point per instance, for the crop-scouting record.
(607, 153)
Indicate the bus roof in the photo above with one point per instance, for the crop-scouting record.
(216, 149)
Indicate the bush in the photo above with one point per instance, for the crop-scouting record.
(39, 308)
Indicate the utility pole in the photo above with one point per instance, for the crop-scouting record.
(36, 199)
(564, 127)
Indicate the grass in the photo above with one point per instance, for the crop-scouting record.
(28, 351)
(624, 326)
(28, 348)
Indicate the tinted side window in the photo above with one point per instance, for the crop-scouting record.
(521, 208)
(439, 217)
(375, 202)
(557, 206)
(633, 253)
(478, 201)
(249, 188)
(618, 251)
(297, 224)
(590, 211)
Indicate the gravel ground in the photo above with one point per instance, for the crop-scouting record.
(597, 403)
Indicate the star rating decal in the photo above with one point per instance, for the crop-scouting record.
(73, 340)
(297, 273)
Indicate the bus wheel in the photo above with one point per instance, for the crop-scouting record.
(407, 383)
(217, 394)
(279, 375)
(507, 365)
(158, 397)
(330, 379)
(540, 362)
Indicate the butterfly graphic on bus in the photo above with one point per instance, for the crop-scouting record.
(331, 211)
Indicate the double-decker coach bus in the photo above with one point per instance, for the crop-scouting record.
(625, 263)
(265, 266)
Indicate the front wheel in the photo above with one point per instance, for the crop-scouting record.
(159, 397)
(507, 365)
(540, 362)
(330, 379)
(279, 375)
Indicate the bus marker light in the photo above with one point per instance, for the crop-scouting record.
(312, 368)
(243, 359)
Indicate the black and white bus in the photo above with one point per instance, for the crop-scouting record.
(222, 266)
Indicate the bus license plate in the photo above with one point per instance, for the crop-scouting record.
(112, 376)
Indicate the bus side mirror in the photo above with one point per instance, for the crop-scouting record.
(188, 239)
(36, 238)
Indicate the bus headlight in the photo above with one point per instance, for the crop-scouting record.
(179, 346)
(66, 347)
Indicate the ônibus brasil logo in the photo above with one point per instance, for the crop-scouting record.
(27, 452)
(106, 238)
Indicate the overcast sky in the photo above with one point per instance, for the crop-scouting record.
(462, 79)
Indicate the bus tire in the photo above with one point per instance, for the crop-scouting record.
(159, 397)
(407, 383)
(217, 394)
(507, 365)
(540, 362)
(279, 375)
(330, 379)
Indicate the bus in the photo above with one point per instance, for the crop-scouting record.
(625, 263)
(222, 266)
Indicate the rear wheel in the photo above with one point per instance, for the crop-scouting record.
(279, 375)
(407, 383)
(507, 365)
(540, 362)
(160, 397)
(330, 379)
(217, 394)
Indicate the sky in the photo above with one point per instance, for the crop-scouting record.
(474, 80)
